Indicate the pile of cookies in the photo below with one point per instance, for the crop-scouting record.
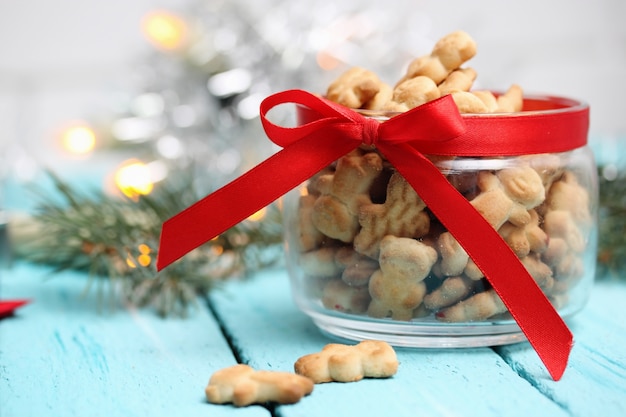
(427, 78)
(367, 243)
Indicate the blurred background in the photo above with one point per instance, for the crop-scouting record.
(173, 74)
(119, 96)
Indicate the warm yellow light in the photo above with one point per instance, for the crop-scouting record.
(258, 215)
(144, 249)
(144, 260)
(133, 179)
(79, 140)
(165, 29)
(130, 263)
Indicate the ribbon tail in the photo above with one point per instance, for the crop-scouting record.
(247, 194)
(533, 312)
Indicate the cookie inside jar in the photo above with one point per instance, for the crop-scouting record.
(368, 245)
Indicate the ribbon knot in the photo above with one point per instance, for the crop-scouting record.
(370, 133)
(328, 131)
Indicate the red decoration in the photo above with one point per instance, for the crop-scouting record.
(8, 307)
(436, 128)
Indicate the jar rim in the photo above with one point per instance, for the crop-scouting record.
(547, 124)
(533, 104)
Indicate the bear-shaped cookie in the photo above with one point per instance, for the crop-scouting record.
(448, 54)
(398, 287)
(506, 195)
(242, 385)
(335, 212)
(345, 363)
(402, 215)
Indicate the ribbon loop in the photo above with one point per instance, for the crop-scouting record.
(328, 131)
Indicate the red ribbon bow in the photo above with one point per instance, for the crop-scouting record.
(434, 128)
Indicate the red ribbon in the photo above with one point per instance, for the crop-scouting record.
(434, 128)
(8, 307)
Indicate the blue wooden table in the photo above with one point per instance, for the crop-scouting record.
(67, 354)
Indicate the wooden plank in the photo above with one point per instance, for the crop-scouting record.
(271, 333)
(61, 356)
(594, 382)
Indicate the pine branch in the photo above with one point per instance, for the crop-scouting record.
(612, 226)
(116, 240)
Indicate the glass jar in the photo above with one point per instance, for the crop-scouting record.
(368, 260)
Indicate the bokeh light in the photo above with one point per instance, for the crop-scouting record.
(133, 178)
(165, 30)
(258, 216)
(78, 139)
(144, 258)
